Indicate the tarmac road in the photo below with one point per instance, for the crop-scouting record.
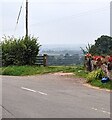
(52, 96)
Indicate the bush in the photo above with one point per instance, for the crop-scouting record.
(95, 75)
(22, 51)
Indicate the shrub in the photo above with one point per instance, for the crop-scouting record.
(95, 75)
(22, 51)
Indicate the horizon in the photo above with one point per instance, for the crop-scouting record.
(62, 47)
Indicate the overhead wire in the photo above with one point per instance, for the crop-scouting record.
(17, 21)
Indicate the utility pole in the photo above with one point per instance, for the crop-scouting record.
(26, 18)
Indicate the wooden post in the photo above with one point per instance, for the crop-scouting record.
(45, 60)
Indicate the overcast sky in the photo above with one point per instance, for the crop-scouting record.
(58, 21)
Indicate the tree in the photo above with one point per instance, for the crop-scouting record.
(22, 51)
(88, 48)
(102, 46)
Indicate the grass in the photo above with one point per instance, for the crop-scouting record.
(33, 70)
(99, 84)
(94, 78)
(78, 71)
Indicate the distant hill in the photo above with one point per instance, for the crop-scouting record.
(60, 47)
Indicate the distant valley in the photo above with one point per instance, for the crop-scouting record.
(63, 54)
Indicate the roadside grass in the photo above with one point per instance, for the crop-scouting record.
(99, 84)
(33, 70)
(25, 70)
(78, 71)
(94, 78)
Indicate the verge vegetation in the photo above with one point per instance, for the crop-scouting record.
(19, 51)
(33, 70)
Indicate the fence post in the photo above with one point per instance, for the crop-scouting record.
(45, 60)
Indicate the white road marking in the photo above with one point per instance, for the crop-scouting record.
(42, 93)
(28, 89)
(94, 108)
(101, 110)
(106, 112)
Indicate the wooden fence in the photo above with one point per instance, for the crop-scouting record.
(41, 60)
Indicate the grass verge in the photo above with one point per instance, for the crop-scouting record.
(33, 70)
(99, 84)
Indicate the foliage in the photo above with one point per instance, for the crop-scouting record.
(64, 59)
(94, 78)
(63, 56)
(22, 51)
(88, 48)
(80, 71)
(102, 46)
(99, 84)
(95, 75)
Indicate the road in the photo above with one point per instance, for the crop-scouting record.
(52, 96)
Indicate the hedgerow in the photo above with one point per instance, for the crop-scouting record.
(21, 51)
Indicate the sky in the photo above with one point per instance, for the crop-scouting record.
(70, 22)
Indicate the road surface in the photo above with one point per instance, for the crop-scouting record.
(52, 96)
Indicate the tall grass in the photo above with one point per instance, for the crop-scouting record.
(33, 70)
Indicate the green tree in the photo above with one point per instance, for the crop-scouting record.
(22, 51)
(102, 46)
(87, 50)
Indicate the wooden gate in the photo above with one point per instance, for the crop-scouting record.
(41, 60)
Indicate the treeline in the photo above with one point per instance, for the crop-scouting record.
(66, 59)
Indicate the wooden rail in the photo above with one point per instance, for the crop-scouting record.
(41, 60)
